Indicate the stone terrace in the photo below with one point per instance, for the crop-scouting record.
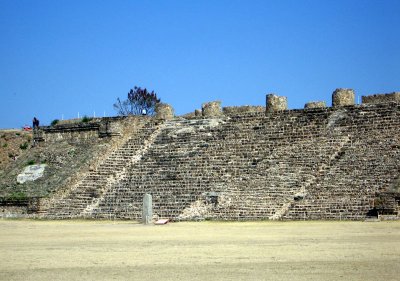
(316, 163)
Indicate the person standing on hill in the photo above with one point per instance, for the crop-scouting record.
(35, 123)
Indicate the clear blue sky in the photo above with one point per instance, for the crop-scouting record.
(64, 57)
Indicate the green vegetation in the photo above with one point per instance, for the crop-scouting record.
(30, 162)
(86, 119)
(17, 134)
(17, 196)
(5, 145)
(23, 146)
(54, 122)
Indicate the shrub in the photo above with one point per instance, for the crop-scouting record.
(5, 145)
(23, 146)
(86, 119)
(54, 122)
(138, 99)
(30, 162)
(17, 196)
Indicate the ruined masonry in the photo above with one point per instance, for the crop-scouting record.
(241, 163)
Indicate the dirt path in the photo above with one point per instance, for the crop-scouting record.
(78, 250)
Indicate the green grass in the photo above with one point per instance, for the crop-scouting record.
(23, 146)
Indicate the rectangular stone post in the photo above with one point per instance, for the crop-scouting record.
(147, 213)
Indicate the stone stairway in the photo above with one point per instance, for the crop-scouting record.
(132, 159)
(80, 200)
(312, 179)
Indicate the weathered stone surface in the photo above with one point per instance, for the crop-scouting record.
(381, 98)
(237, 110)
(343, 97)
(315, 104)
(164, 111)
(147, 212)
(211, 109)
(325, 163)
(31, 173)
(275, 103)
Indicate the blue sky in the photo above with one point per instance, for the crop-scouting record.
(58, 58)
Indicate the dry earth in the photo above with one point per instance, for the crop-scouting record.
(11, 142)
(92, 250)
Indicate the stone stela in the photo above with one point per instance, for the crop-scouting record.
(147, 214)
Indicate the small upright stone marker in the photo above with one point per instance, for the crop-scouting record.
(147, 213)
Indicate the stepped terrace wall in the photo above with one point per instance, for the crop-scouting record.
(246, 163)
(69, 152)
(323, 163)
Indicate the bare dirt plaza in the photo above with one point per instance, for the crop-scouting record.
(106, 250)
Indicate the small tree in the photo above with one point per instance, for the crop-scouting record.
(138, 100)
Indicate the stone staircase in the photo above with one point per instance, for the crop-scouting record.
(322, 169)
(81, 199)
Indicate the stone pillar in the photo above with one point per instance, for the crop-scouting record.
(315, 104)
(147, 213)
(275, 103)
(211, 109)
(164, 111)
(342, 97)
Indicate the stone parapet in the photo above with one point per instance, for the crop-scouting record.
(211, 109)
(275, 103)
(343, 97)
(315, 104)
(238, 110)
(381, 98)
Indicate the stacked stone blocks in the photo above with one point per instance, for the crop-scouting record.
(324, 163)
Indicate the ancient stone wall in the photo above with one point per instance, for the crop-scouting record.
(381, 98)
(238, 110)
(315, 104)
(79, 132)
(247, 163)
(324, 163)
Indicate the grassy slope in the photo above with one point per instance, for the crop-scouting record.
(63, 160)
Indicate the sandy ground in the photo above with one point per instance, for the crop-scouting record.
(89, 250)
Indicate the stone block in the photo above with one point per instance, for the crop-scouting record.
(31, 173)
(343, 97)
(381, 98)
(275, 103)
(197, 113)
(211, 109)
(164, 111)
(315, 104)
